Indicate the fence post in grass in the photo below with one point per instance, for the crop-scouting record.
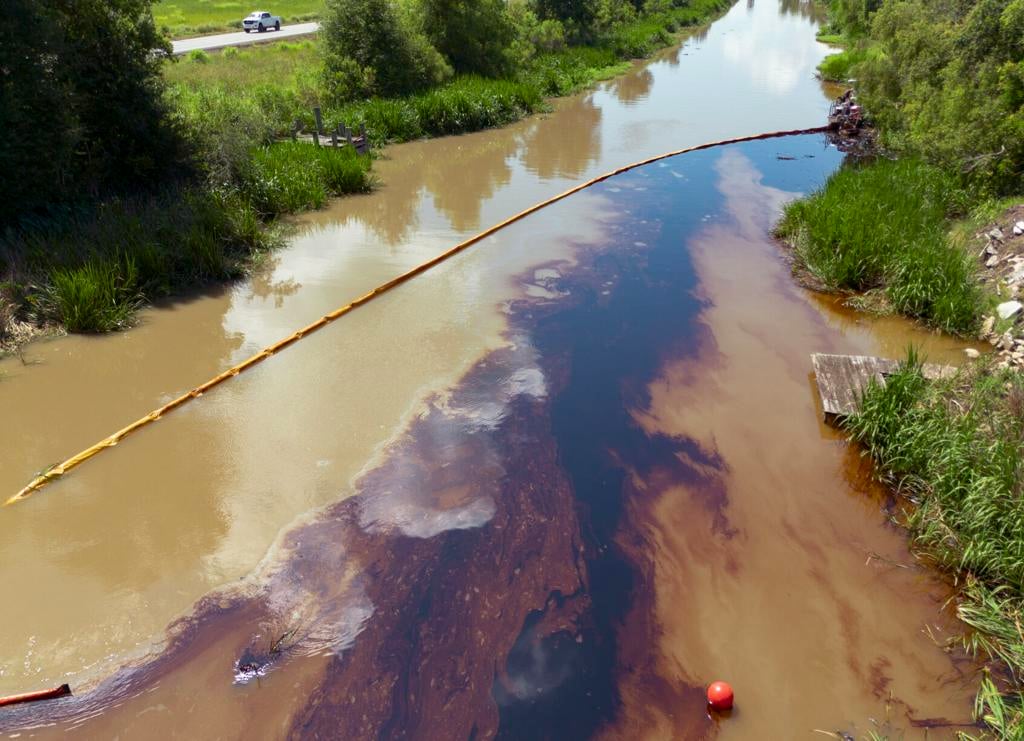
(319, 119)
(296, 128)
(365, 145)
(348, 138)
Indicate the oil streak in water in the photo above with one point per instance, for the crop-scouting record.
(485, 575)
(610, 347)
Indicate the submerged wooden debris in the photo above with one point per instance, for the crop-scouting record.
(842, 379)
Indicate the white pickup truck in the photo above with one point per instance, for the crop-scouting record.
(260, 21)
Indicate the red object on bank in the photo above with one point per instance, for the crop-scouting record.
(720, 696)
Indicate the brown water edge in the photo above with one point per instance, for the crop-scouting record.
(465, 527)
(95, 570)
(807, 602)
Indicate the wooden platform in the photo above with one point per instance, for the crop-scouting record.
(842, 379)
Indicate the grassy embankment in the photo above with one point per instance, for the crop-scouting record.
(945, 87)
(89, 269)
(183, 18)
(881, 230)
(954, 450)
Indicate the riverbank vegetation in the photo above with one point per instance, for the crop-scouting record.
(882, 228)
(943, 84)
(161, 174)
(953, 450)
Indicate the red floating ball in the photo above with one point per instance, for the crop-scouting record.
(720, 696)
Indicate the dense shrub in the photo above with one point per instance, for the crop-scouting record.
(85, 72)
(473, 35)
(853, 16)
(370, 49)
(945, 81)
(579, 15)
(532, 35)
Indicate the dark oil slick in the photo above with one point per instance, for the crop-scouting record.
(94, 574)
(489, 578)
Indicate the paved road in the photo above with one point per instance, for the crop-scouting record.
(241, 38)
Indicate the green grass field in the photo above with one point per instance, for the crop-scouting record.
(236, 68)
(181, 18)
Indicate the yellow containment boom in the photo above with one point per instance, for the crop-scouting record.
(74, 461)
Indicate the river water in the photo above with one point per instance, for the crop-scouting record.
(548, 490)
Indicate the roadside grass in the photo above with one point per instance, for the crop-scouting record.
(240, 66)
(884, 225)
(954, 450)
(181, 18)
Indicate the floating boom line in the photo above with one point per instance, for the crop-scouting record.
(57, 471)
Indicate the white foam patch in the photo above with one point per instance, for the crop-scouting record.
(422, 522)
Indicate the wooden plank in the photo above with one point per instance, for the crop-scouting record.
(842, 379)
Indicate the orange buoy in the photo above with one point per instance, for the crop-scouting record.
(720, 696)
(51, 694)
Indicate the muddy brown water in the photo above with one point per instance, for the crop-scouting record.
(548, 490)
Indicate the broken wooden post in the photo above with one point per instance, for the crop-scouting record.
(319, 119)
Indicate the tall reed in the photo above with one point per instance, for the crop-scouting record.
(884, 224)
(954, 450)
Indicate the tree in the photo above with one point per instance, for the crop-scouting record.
(370, 50)
(853, 17)
(473, 35)
(81, 102)
(579, 13)
(946, 81)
